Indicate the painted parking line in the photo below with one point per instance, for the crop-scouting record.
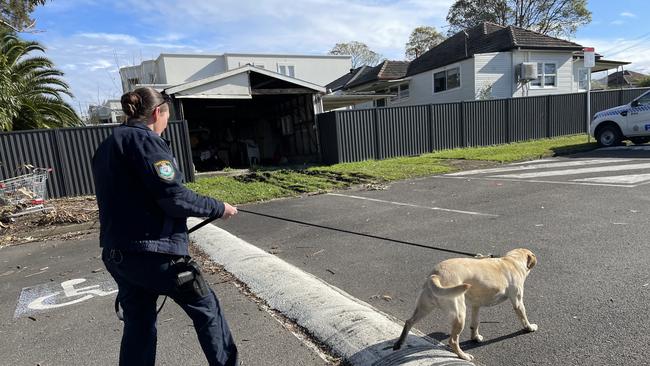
(618, 179)
(556, 173)
(540, 164)
(412, 205)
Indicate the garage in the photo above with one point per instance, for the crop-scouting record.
(249, 117)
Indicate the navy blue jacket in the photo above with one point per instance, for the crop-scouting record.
(143, 204)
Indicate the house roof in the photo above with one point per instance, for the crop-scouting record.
(625, 77)
(484, 38)
(387, 70)
(238, 71)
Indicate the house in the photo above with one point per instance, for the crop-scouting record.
(109, 112)
(374, 86)
(483, 62)
(243, 109)
(624, 79)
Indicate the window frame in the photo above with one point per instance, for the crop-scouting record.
(286, 66)
(541, 77)
(446, 79)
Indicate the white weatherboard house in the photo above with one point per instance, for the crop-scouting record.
(243, 109)
(482, 62)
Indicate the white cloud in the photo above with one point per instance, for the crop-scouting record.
(628, 14)
(617, 22)
(92, 56)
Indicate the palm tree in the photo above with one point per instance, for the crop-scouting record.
(31, 89)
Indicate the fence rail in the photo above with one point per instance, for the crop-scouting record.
(380, 133)
(69, 151)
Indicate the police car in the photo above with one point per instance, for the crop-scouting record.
(626, 122)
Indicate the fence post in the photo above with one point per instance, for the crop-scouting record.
(548, 116)
(376, 124)
(461, 119)
(59, 154)
(507, 108)
(430, 120)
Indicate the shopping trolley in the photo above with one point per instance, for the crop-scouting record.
(25, 193)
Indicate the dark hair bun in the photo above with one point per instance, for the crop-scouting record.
(131, 104)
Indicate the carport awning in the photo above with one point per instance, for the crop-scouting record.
(238, 84)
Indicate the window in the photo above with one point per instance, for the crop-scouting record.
(582, 78)
(379, 102)
(445, 80)
(399, 92)
(288, 70)
(546, 75)
(133, 81)
(644, 100)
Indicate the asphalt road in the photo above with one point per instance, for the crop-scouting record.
(88, 333)
(589, 293)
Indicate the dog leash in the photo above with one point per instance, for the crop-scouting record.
(475, 255)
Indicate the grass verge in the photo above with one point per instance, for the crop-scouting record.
(270, 184)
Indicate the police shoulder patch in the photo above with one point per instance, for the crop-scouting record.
(165, 169)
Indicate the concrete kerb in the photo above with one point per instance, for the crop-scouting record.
(353, 329)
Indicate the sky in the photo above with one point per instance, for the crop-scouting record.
(89, 40)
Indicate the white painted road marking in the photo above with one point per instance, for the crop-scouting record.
(555, 173)
(412, 205)
(49, 296)
(620, 179)
(536, 165)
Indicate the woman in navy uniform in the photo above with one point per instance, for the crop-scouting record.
(143, 208)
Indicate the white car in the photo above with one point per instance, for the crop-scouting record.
(626, 122)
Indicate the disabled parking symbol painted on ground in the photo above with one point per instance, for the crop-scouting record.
(51, 296)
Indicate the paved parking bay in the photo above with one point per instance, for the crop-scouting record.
(588, 294)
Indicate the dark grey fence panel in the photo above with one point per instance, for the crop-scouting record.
(77, 147)
(601, 100)
(627, 95)
(567, 114)
(445, 126)
(527, 118)
(35, 148)
(485, 122)
(402, 131)
(179, 135)
(327, 137)
(357, 135)
(69, 153)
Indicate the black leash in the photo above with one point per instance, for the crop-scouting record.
(476, 255)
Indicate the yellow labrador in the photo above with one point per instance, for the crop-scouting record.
(479, 282)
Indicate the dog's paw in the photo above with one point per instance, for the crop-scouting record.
(397, 346)
(531, 327)
(477, 338)
(466, 356)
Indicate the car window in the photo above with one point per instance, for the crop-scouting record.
(644, 100)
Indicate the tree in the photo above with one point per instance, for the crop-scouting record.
(30, 89)
(645, 82)
(15, 14)
(421, 40)
(559, 18)
(361, 54)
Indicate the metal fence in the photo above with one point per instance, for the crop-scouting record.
(380, 133)
(69, 151)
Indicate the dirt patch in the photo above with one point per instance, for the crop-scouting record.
(66, 218)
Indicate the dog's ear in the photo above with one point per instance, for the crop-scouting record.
(531, 260)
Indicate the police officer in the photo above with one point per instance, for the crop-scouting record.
(143, 207)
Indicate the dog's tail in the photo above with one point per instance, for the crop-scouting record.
(451, 291)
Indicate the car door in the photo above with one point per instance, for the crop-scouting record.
(638, 118)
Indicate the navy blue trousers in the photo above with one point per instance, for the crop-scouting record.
(141, 278)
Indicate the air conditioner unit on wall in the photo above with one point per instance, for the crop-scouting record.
(527, 71)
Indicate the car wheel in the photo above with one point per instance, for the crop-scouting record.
(608, 136)
(639, 140)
